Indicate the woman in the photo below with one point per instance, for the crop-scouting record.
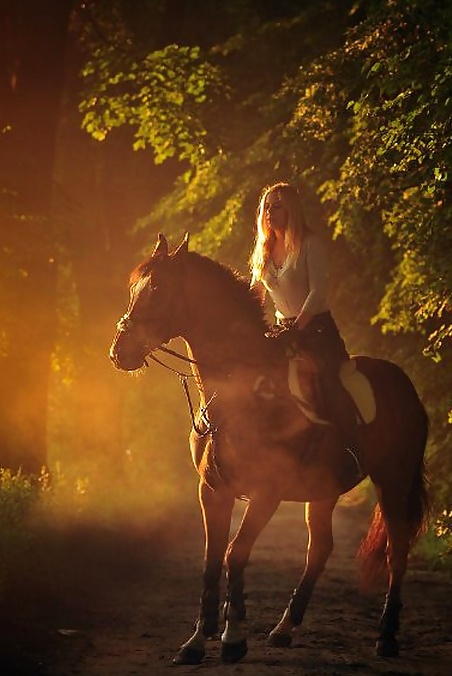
(289, 263)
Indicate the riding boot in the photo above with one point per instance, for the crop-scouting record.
(342, 414)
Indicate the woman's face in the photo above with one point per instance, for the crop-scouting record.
(276, 215)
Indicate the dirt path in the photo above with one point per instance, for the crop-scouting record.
(129, 608)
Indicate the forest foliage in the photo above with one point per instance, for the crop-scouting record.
(366, 125)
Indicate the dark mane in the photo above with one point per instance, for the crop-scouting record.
(237, 284)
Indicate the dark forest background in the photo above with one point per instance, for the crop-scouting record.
(122, 119)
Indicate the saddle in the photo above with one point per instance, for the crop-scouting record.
(337, 407)
(302, 370)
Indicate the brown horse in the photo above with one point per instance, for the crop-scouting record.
(247, 444)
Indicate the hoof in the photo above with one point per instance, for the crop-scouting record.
(387, 647)
(233, 652)
(189, 656)
(279, 640)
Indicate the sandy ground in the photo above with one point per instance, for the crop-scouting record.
(122, 605)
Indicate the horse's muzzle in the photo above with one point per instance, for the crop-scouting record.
(127, 361)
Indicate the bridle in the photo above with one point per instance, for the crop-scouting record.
(125, 324)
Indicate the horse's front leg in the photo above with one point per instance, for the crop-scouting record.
(320, 545)
(216, 508)
(258, 513)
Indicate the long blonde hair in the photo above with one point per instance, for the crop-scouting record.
(295, 230)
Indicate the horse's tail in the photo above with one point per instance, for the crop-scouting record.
(372, 552)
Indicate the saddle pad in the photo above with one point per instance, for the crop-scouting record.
(355, 382)
(360, 389)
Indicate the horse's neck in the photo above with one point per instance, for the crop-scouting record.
(220, 348)
(221, 330)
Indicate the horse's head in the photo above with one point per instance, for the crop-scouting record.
(151, 318)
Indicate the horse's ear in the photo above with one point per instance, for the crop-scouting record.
(161, 248)
(183, 246)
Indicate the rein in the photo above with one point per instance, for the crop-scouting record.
(178, 355)
(209, 428)
(123, 325)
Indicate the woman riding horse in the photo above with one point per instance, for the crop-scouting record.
(289, 263)
(242, 448)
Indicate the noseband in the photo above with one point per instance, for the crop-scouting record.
(125, 323)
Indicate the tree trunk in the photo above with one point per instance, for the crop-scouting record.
(32, 63)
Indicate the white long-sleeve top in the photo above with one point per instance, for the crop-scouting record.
(300, 285)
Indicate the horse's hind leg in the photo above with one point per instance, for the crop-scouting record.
(397, 520)
(398, 545)
(320, 546)
(216, 507)
(258, 513)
